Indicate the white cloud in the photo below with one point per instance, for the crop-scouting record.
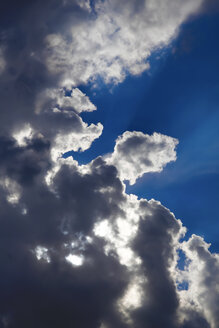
(75, 260)
(201, 274)
(136, 153)
(42, 253)
(12, 189)
(75, 140)
(66, 129)
(54, 99)
(118, 40)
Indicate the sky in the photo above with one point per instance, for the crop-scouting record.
(109, 160)
(185, 76)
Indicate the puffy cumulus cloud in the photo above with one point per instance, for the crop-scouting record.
(85, 246)
(117, 38)
(57, 117)
(40, 250)
(75, 249)
(75, 141)
(136, 153)
(151, 239)
(25, 76)
(156, 244)
(76, 40)
(201, 274)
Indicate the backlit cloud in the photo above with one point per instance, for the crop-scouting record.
(76, 250)
(116, 39)
(136, 153)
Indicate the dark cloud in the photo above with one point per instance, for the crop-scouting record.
(24, 26)
(23, 164)
(195, 320)
(86, 195)
(155, 245)
(35, 293)
(55, 294)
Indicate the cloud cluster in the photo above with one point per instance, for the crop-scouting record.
(136, 153)
(88, 247)
(75, 249)
(117, 39)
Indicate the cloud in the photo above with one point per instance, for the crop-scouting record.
(75, 249)
(136, 153)
(2, 61)
(75, 141)
(87, 246)
(25, 76)
(116, 39)
(66, 99)
(57, 118)
(54, 226)
(156, 245)
(24, 163)
(69, 42)
(201, 273)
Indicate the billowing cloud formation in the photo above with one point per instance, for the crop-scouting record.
(202, 276)
(136, 153)
(87, 246)
(75, 249)
(116, 39)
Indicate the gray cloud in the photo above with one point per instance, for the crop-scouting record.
(155, 245)
(202, 276)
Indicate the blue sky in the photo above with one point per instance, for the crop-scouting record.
(179, 97)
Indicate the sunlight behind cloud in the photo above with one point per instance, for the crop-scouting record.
(75, 260)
